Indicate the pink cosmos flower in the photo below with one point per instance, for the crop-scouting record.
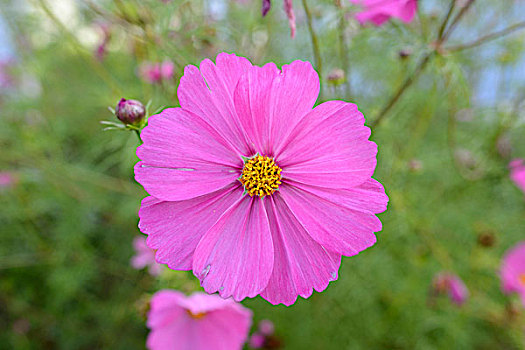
(379, 11)
(197, 322)
(517, 173)
(6, 179)
(447, 283)
(144, 257)
(156, 72)
(252, 189)
(513, 271)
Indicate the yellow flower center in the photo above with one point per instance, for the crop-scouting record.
(197, 315)
(260, 176)
(521, 279)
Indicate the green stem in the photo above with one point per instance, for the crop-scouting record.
(441, 36)
(315, 43)
(487, 38)
(343, 50)
(138, 135)
(401, 90)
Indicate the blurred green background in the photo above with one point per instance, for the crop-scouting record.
(70, 214)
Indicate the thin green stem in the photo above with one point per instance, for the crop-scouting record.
(138, 135)
(343, 50)
(487, 38)
(315, 41)
(447, 18)
(401, 90)
(441, 37)
(456, 20)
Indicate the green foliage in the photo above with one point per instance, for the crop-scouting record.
(68, 222)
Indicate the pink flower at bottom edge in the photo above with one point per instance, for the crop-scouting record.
(517, 173)
(513, 271)
(197, 322)
(379, 11)
(251, 188)
(145, 257)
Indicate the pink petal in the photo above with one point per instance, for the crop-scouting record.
(368, 197)
(200, 302)
(270, 103)
(336, 227)
(175, 228)
(252, 99)
(141, 260)
(224, 329)
(184, 157)
(164, 307)
(178, 334)
(517, 173)
(300, 264)
(155, 269)
(379, 11)
(294, 94)
(208, 93)
(329, 148)
(225, 324)
(235, 257)
(512, 268)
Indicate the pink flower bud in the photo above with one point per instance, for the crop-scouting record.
(130, 111)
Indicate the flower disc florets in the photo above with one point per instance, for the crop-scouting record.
(260, 176)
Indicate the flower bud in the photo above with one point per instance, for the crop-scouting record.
(486, 239)
(130, 111)
(405, 53)
(336, 76)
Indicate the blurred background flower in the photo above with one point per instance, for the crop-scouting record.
(198, 322)
(145, 257)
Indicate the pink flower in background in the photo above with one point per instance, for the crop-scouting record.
(513, 271)
(156, 72)
(265, 7)
(252, 189)
(288, 8)
(6, 179)
(6, 77)
(257, 341)
(379, 11)
(263, 335)
(452, 285)
(266, 327)
(197, 322)
(101, 50)
(144, 257)
(517, 173)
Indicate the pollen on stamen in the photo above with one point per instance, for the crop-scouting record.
(197, 315)
(260, 176)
